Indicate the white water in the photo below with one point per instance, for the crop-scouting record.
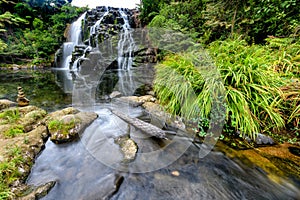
(67, 54)
(75, 31)
(74, 38)
(126, 47)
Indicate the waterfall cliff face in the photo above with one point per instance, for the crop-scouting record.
(101, 39)
(92, 29)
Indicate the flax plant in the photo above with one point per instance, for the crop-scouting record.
(253, 94)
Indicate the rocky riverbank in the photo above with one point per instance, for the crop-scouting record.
(25, 130)
(23, 134)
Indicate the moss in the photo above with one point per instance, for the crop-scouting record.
(14, 131)
(62, 127)
(9, 171)
(9, 116)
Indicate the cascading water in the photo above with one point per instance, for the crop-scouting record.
(126, 47)
(96, 27)
(63, 76)
(67, 54)
(74, 39)
(108, 22)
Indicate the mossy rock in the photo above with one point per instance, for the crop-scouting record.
(67, 128)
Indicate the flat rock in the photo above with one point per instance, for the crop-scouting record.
(115, 94)
(4, 103)
(128, 147)
(68, 127)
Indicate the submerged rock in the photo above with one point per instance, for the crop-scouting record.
(109, 184)
(37, 192)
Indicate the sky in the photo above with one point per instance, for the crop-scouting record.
(113, 3)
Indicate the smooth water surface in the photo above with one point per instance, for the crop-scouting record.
(39, 86)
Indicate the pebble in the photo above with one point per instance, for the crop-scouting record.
(175, 173)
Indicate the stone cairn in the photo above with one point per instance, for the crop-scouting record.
(22, 100)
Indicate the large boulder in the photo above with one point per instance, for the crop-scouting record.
(66, 125)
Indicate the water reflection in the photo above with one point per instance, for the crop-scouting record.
(39, 87)
(64, 78)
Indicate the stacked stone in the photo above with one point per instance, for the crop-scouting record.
(22, 100)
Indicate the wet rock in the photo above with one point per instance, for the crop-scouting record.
(37, 192)
(131, 100)
(155, 108)
(25, 118)
(4, 127)
(59, 113)
(128, 147)
(109, 184)
(137, 101)
(262, 139)
(4, 103)
(147, 98)
(31, 118)
(115, 94)
(67, 128)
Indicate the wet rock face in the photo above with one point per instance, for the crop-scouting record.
(21, 129)
(104, 22)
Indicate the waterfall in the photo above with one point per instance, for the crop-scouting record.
(125, 45)
(67, 54)
(125, 57)
(74, 38)
(96, 27)
(75, 31)
(108, 45)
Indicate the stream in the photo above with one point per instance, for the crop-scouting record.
(93, 167)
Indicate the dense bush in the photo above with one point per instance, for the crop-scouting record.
(211, 20)
(257, 94)
(34, 30)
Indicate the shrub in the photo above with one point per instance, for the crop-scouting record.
(253, 88)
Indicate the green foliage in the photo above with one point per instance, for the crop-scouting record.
(150, 8)
(181, 16)
(14, 131)
(219, 19)
(9, 171)
(286, 54)
(255, 96)
(9, 116)
(38, 34)
(255, 20)
(62, 127)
